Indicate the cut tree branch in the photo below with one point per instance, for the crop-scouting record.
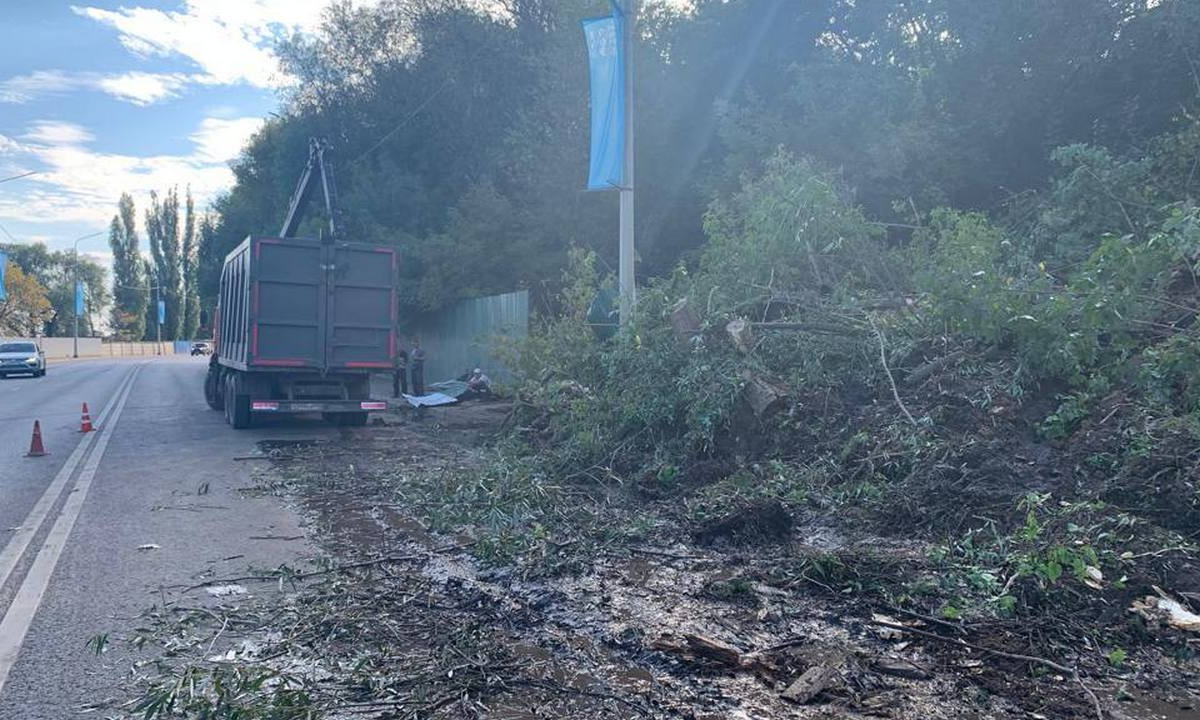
(888, 371)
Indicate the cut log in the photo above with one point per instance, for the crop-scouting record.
(763, 393)
(900, 668)
(741, 332)
(684, 321)
(716, 650)
(926, 370)
(812, 682)
(699, 646)
(816, 328)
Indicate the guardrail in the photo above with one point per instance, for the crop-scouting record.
(63, 348)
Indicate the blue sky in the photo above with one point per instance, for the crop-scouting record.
(103, 97)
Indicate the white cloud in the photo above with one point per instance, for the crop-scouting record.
(228, 52)
(53, 132)
(139, 88)
(142, 88)
(78, 184)
(230, 41)
(23, 88)
(220, 140)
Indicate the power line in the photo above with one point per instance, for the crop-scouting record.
(405, 121)
(417, 111)
(10, 235)
(18, 177)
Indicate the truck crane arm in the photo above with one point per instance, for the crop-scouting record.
(318, 163)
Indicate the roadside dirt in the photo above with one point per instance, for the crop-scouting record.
(763, 618)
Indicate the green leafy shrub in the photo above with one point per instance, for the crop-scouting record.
(649, 397)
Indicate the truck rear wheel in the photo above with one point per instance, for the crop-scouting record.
(237, 404)
(213, 394)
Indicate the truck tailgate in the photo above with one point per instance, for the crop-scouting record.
(362, 308)
(319, 306)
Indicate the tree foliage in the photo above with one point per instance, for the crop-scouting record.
(130, 286)
(162, 228)
(461, 136)
(190, 322)
(174, 252)
(56, 272)
(26, 309)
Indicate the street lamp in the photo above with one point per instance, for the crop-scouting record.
(75, 288)
(157, 289)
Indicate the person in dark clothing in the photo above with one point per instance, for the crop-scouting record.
(400, 373)
(416, 362)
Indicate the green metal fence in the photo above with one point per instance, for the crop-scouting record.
(466, 335)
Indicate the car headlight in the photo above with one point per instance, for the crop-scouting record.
(31, 361)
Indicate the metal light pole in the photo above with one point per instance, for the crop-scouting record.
(75, 289)
(158, 320)
(156, 289)
(625, 275)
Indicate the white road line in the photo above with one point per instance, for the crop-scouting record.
(11, 555)
(19, 617)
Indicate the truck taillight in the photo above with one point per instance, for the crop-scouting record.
(373, 405)
(260, 405)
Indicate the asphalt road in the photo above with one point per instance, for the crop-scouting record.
(161, 472)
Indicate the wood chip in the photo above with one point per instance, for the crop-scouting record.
(812, 682)
(699, 646)
(884, 632)
(900, 668)
(765, 394)
(714, 650)
(741, 333)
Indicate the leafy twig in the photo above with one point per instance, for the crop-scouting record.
(1072, 671)
(304, 576)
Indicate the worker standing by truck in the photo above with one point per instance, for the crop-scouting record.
(400, 373)
(417, 361)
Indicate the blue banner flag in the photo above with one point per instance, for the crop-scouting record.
(79, 309)
(162, 312)
(606, 60)
(3, 272)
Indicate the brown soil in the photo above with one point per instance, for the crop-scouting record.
(621, 631)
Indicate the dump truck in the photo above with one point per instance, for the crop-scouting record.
(302, 323)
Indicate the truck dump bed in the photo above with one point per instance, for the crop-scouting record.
(296, 304)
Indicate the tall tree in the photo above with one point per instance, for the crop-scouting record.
(208, 261)
(130, 294)
(191, 299)
(162, 228)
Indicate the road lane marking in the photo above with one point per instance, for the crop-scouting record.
(19, 617)
(12, 553)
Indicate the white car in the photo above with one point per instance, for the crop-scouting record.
(21, 357)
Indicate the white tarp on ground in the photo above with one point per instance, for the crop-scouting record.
(430, 400)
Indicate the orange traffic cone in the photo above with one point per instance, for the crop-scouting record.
(85, 425)
(35, 445)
